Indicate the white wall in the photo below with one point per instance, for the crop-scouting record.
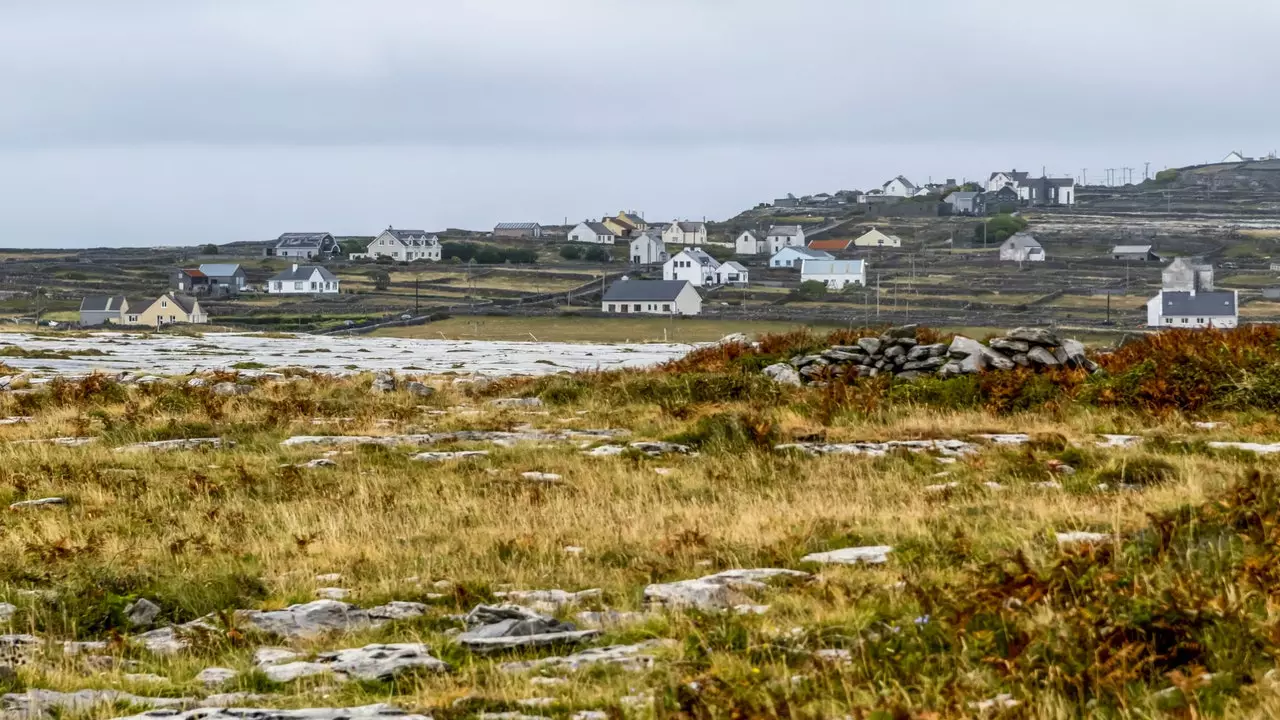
(315, 285)
(748, 244)
(682, 267)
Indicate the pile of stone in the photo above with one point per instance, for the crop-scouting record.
(897, 352)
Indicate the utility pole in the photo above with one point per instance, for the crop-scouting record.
(416, 279)
(1146, 171)
(877, 296)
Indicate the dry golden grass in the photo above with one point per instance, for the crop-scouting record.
(214, 529)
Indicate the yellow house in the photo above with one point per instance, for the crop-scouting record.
(619, 229)
(633, 220)
(875, 238)
(168, 309)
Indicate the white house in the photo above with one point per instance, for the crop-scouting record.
(1002, 178)
(875, 238)
(794, 256)
(748, 244)
(900, 187)
(304, 280)
(1235, 156)
(731, 273)
(651, 297)
(402, 246)
(784, 236)
(647, 248)
(693, 234)
(1187, 299)
(593, 232)
(1021, 248)
(692, 265)
(835, 274)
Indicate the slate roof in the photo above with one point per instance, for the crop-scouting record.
(186, 302)
(515, 226)
(633, 218)
(1017, 176)
(644, 290)
(733, 266)
(102, 303)
(784, 231)
(807, 253)
(303, 272)
(302, 239)
(1202, 304)
(958, 196)
(1022, 241)
(600, 228)
(907, 183)
(699, 256)
(831, 267)
(220, 269)
(692, 227)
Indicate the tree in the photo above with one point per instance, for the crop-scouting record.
(811, 290)
(381, 279)
(971, 187)
(209, 249)
(595, 253)
(571, 252)
(1000, 228)
(1167, 176)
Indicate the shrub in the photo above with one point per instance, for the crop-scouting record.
(730, 432)
(811, 290)
(1167, 176)
(571, 252)
(1142, 470)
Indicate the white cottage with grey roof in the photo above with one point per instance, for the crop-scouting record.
(402, 246)
(1188, 299)
(596, 233)
(651, 297)
(1020, 248)
(304, 280)
(794, 257)
(835, 274)
(784, 236)
(693, 265)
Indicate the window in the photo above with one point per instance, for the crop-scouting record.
(133, 318)
(613, 308)
(297, 285)
(275, 285)
(1200, 321)
(666, 307)
(313, 287)
(637, 307)
(1184, 321)
(164, 303)
(173, 318)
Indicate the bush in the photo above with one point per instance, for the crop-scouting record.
(730, 432)
(1166, 176)
(811, 290)
(571, 252)
(1001, 228)
(209, 249)
(381, 279)
(595, 253)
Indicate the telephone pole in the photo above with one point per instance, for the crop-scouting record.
(1146, 171)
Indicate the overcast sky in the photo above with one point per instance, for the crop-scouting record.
(155, 122)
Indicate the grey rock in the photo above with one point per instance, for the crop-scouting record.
(419, 389)
(504, 627)
(1009, 345)
(839, 356)
(165, 641)
(142, 613)
(197, 382)
(1035, 336)
(805, 360)
(871, 555)
(720, 591)
(144, 678)
(895, 351)
(180, 444)
(383, 383)
(456, 455)
(906, 343)
(216, 676)
(910, 375)
(873, 372)
(864, 371)
(634, 658)
(525, 402)
(397, 610)
(230, 388)
(879, 365)
(938, 349)
(963, 347)
(1061, 356)
(294, 671)
(903, 332)
(812, 371)
(318, 463)
(1021, 360)
(610, 618)
(951, 369)
(783, 374)
(7, 611)
(548, 600)
(264, 656)
(35, 703)
(333, 593)
(42, 502)
(314, 619)
(997, 361)
(382, 662)
(1075, 352)
(870, 345)
(1041, 356)
(368, 712)
(900, 360)
(918, 352)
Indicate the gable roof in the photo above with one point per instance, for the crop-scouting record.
(692, 227)
(1130, 249)
(831, 267)
(220, 269)
(102, 303)
(1012, 174)
(192, 272)
(1212, 304)
(186, 302)
(906, 183)
(785, 231)
(807, 253)
(303, 272)
(831, 244)
(733, 265)
(402, 235)
(961, 195)
(302, 239)
(599, 228)
(632, 218)
(1022, 241)
(642, 290)
(748, 232)
(516, 226)
(699, 256)
(650, 235)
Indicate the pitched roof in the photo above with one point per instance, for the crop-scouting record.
(902, 180)
(650, 235)
(785, 231)
(303, 272)
(400, 234)
(959, 195)
(1022, 241)
(831, 244)
(220, 269)
(1212, 304)
(599, 228)
(302, 239)
(102, 303)
(692, 227)
(831, 267)
(516, 226)
(633, 218)
(699, 256)
(734, 266)
(136, 306)
(1130, 249)
(186, 302)
(642, 290)
(748, 232)
(1016, 176)
(192, 272)
(807, 253)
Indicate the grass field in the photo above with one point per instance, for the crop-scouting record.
(579, 329)
(980, 609)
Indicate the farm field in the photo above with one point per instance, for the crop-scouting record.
(313, 541)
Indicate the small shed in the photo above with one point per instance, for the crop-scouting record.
(1139, 253)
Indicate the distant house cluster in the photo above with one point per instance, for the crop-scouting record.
(628, 226)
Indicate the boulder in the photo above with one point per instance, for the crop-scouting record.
(7, 611)
(963, 347)
(216, 676)
(197, 382)
(1034, 336)
(383, 383)
(1020, 359)
(870, 345)
(720, 591)
(382, 662)
(141, 613)
(840, 356)
(903, 332)
(1061, 356)
(906, 343)
(294, 671)
(1074, 350)
(871, 555)
(1042, 356)
(265, 656)
(952, 369)
(419, 389)
(919, 352)
(316, 618)
(895, 351)
(1010, 346)
(997, 361)
(635, 658)
(783, 374)
(493, 628)
(548, 600)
